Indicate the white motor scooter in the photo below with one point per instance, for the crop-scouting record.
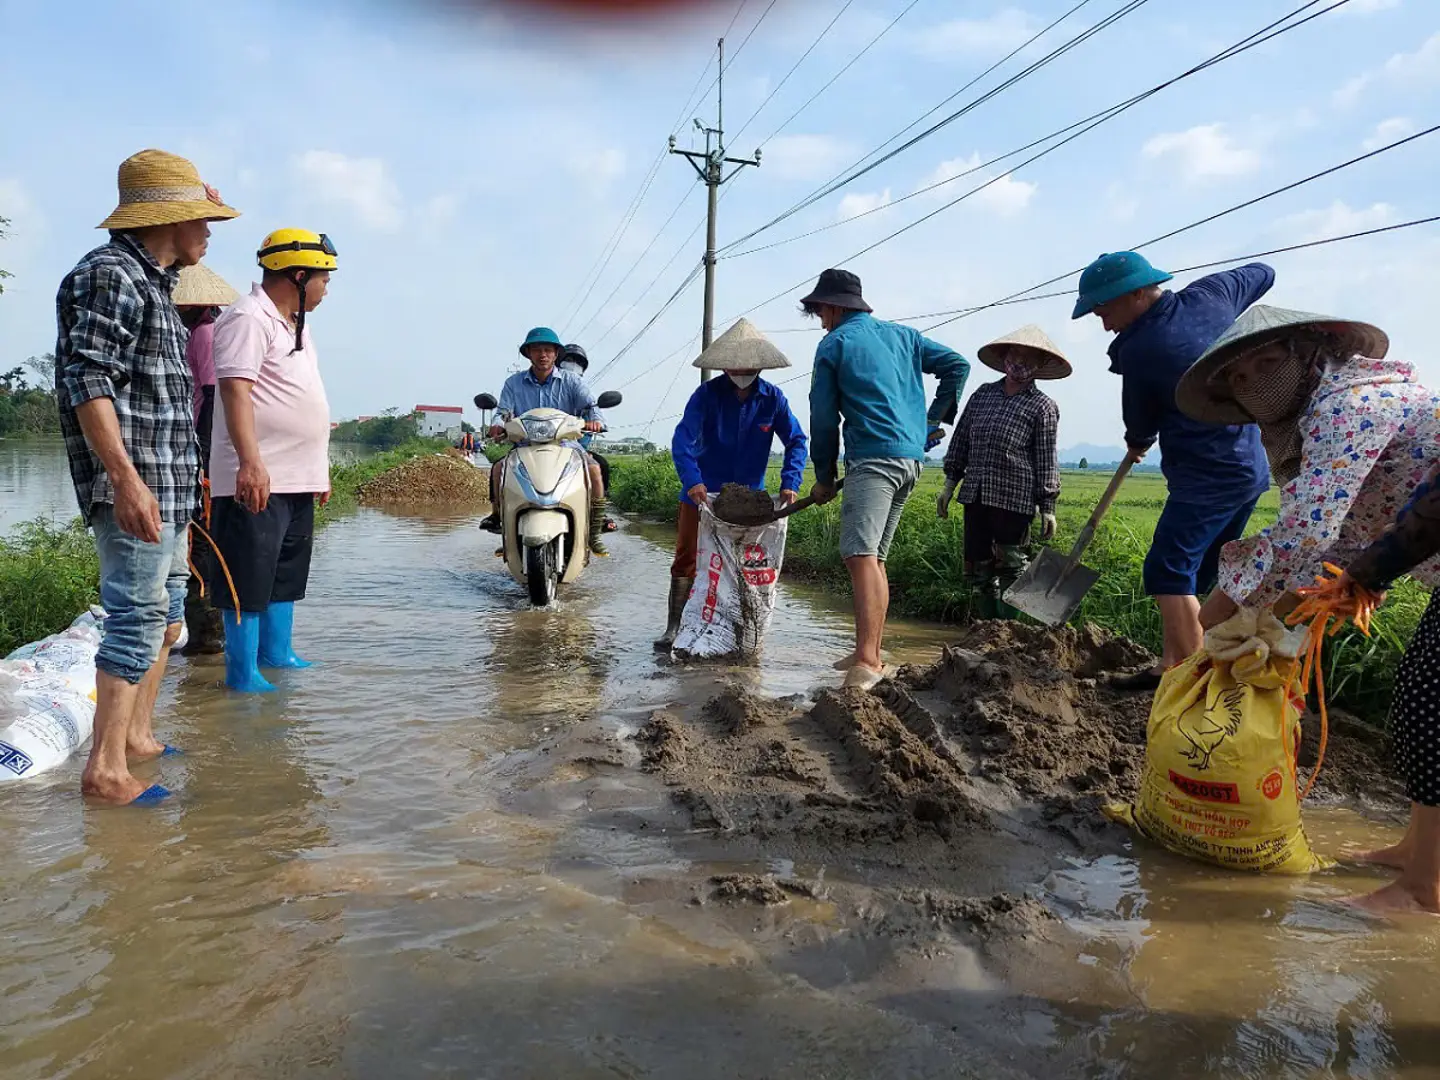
(545, 499)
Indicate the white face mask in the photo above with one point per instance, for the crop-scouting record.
(571, 366)
(743, 381)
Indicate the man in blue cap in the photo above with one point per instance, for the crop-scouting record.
(542, 386)
(1215, 473)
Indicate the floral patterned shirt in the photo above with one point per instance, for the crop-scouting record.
(1371, 436)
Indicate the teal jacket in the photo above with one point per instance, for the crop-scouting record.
(871, 373)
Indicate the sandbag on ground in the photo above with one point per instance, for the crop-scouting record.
(47, 698)
(732, 602)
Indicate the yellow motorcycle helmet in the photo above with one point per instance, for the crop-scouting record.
(296, 249)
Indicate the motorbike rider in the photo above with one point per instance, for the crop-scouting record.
(545, 387)
(574, 360)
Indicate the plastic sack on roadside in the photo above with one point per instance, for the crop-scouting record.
(730, 607)
(1220, 778)
(47, 698)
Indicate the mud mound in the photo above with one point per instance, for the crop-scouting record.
(740, 711)
(763, 889)
(741, 505)
(433, 480)
(1002, 912)
(1033, 652)
(662, 743)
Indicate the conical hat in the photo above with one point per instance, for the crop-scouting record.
(1055, 365)
(742, 348)
(1202, 397)
(199, 286)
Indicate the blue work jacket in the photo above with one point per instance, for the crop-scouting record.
(722, 440)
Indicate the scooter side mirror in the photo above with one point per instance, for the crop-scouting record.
(485, 402)
(609, 399)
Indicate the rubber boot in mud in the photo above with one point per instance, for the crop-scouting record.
(242, 653)
(1011, 560)
(679, 595)
(983, 595)
(277, 624)
(597, 526)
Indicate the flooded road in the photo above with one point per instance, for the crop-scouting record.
(433, 854)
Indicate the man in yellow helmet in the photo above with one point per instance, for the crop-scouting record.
(270, 453)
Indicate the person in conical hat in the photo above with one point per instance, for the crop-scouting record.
(125, 398)
(724, 437)
(1352, 437)
(1004, 460)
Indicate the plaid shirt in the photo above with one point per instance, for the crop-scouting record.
(120, 337)
(1004, 449)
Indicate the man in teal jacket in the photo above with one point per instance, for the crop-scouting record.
(872, 373)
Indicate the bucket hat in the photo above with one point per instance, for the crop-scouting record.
(541, 335)
(1055, 366)
(838, 288)
(1201, 396)
(742, 348)
(199, 286)
(1112, 276)
(157, 188)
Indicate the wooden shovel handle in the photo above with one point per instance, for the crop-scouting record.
(802, 504)
(1088, 532)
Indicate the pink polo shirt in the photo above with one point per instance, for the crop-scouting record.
(253, 341)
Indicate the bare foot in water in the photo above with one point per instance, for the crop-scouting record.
(144, 749)
(118, 789)
(1396, 899)
(1396, 856)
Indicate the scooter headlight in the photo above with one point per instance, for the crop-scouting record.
(537, 430)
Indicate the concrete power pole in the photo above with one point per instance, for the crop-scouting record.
(710, 167)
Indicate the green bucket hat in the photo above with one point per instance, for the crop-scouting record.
(1201, 396)
(541, 335)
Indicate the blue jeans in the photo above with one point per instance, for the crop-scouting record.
(142, 589)
(1184, 557)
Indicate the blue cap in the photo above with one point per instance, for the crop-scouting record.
(1112, 276)
(542, 335)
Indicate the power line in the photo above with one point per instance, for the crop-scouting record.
(689, 280)
(646, 292)
(794, 68)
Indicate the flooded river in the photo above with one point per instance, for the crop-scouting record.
(433, 854)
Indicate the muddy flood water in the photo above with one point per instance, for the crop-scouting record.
(443, 851)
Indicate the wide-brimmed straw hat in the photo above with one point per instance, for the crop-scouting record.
(157, 188)
(1201, 396)
(199, 286)
(1053, 364)
(742, 348)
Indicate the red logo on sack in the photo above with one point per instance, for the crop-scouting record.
(1273, 785)
(1207, 790)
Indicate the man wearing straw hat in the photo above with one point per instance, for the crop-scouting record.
(1215, 472)
(872, 373)
(199, 296)
(724, 437)
(125, 395)
(1004, 451)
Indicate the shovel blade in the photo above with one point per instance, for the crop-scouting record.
(1048, 594)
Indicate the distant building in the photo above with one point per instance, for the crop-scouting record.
(439, 421)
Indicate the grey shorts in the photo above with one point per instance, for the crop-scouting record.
(874, 494)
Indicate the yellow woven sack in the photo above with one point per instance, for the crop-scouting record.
(1220, 782)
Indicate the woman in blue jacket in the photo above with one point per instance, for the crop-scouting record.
(724, 438)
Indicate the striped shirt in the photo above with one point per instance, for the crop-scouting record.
(120, 337)
(1004, 449)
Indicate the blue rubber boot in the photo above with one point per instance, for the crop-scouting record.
(276, 626)
(242, 645)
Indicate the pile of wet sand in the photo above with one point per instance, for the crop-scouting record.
(445, 479)
(741, 505)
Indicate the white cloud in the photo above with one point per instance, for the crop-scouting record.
(1403, 69)
(1006, 196)
(362, 184)
(1337, 219)
(999, 33)
(807, 157)
(1387, 131)
(1203, 153)
(862, 202)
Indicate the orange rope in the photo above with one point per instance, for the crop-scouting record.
(235, 596)
(1327, 606)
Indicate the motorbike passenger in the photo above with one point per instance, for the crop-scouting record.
(545, 387)
(573, 359)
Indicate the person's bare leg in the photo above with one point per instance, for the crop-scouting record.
(1180, 616)
(141, 743)
(1396, 856)
(851, 658)
(1417, 890)
(872, 598)
(106, 775)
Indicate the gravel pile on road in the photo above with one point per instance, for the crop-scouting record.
(434, 480)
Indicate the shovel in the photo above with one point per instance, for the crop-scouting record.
(752, 521)
(1053, 585)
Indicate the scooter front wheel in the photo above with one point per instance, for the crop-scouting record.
(541, 573)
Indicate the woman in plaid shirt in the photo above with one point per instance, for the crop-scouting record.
(1003, 458)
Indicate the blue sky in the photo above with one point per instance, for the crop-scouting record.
(471, 168)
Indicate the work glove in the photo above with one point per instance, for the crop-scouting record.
(942, 504)
(935, 438)
(1047, 526)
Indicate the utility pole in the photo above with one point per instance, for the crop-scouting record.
(712, 172)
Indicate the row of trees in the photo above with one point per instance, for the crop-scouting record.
(28, 408)
(384, 432)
